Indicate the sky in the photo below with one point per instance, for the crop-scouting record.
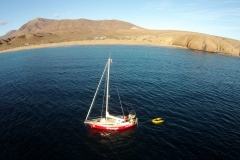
(214, 17)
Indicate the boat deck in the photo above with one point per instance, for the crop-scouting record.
(105, 121)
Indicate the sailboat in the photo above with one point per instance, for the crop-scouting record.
(110, 122)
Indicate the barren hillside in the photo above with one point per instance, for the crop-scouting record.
(41, 25)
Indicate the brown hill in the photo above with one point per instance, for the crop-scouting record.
(41, 25)
(44, 31)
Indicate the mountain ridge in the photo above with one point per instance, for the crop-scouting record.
(49, 25)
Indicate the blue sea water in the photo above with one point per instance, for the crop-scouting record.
(45, 95)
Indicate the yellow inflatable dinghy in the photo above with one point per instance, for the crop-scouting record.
(157, 120)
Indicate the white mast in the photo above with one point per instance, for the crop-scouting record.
(107, 93)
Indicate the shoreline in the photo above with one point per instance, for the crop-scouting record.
(91, 42)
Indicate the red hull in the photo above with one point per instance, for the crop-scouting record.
(112, 127)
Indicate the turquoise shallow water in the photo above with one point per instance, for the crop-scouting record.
(45, 95)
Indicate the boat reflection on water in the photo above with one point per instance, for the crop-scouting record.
(108, 133)
(109, 144)
(112, 143)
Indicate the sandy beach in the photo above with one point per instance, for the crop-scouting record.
(92, 42)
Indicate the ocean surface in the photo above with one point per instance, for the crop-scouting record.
(45, 95)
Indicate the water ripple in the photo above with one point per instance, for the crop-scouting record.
(46, 93)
